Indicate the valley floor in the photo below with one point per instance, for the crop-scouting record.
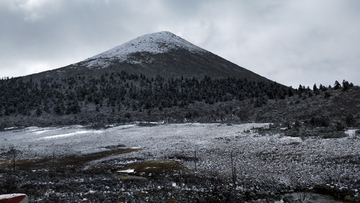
(176, 163)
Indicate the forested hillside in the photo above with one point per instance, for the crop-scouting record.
(122, 97)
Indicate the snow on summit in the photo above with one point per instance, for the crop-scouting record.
(155, 43)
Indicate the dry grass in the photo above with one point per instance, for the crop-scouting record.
(72, 161)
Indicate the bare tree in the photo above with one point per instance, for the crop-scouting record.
(12, 152)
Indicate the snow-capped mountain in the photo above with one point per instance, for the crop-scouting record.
(154, 43)
(164, 54)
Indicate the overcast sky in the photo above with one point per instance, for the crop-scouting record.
(290, 42)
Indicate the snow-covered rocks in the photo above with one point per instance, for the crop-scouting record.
(263, 160)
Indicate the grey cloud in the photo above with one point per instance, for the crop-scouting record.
(291, 42)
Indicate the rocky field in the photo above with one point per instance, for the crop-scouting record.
(192, 162)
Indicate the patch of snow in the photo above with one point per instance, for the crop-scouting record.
(65, 135)
(32, 128)
(10, 128)
(41, 131)
(125, 126)
(288, 140)
(351, 133)
(130, 170)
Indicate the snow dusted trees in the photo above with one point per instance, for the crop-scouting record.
(127, 93)
(113, 96)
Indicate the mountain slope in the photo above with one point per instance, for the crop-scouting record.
(163, 54)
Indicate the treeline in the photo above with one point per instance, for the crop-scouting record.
(306, 91)
(123, 91)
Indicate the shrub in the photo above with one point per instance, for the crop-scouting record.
(350, 120)
(327, 94)
(340, 134)
(97, 125)
(340, 126)
(321, 121)
(127, 115)
(297, 125)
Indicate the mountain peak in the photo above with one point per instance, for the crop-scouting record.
(163, 54)
(154, 43)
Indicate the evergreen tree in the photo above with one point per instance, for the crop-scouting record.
(337, 85)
